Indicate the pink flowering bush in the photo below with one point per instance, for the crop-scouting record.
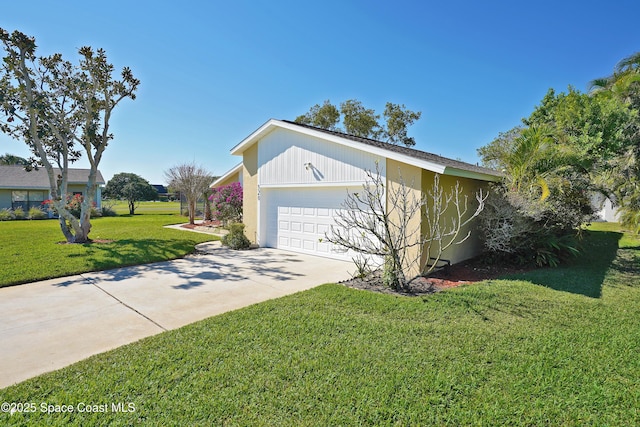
(226, 203)
(74, 205)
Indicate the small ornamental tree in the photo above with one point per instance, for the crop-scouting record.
(190, 180)
(130, 187)
(226, 203)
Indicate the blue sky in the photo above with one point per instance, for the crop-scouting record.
(212, 72)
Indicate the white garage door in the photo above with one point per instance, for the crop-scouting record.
(297, 219)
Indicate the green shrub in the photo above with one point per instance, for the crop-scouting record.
(6, 214)
(630, 218)
(236, 238)
(18, 213)
(108, 211)
(37, 213)
(519, 230)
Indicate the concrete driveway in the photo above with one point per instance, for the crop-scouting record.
(47, 325)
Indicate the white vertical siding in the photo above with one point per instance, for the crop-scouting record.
(283, 156)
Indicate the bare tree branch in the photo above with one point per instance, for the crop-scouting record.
(388, 223)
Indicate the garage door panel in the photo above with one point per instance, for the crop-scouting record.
(302, 219)
(283, 225)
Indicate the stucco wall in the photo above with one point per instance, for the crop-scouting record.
(412, 177)
(250, 192)
(473, 245)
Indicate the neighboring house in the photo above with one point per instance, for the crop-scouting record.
(605, 209)
(295, 177)
(161, 189)
(163, 192)
(19, 188)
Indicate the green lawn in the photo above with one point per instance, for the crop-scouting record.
(31, 250)
(551, 347)
(122, 208)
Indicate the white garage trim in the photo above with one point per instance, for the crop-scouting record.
(341, 185)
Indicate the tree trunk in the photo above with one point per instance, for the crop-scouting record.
(82, 232)
(208, 216)
(192, 212)
(132, 207)
(68, 235)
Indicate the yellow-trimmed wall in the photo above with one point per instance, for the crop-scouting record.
(230, 179)
(472, 246)
(250, 192)
(420, 182)
(398, 172)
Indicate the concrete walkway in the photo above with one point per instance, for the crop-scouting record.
(47, 325)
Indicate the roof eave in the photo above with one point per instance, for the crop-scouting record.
(236, 169)
(461, 173)
(272, 124)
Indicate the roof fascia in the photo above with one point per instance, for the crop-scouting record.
(272, 124)
(236, 169)
(470, 174)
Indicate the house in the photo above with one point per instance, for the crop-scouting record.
(19, 188)
(295, 177)
(605, 208)
(163, 192)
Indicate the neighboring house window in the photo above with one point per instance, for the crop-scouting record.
(20, 199)
(27, 199)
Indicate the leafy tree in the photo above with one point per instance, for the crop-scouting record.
(130, 187)
(624, 83)
(493, 155)
(10, 159)
(398, 120)
(358, 120)
(62, 112)
(325, 116)
(363, 122)
(623, 177)
(192, 181)
(596, 127)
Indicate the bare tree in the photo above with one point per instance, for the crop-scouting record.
(447, 215)
(191, 180)
(62, 112)
(386, 222)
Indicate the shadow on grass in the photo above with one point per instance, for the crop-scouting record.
(586, 274)
(126, 252)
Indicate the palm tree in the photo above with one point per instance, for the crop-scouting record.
(531, 160)
(624, 82)
(624, 178)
